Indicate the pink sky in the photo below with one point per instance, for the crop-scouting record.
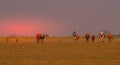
(28, 26)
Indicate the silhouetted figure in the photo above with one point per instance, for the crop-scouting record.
(74, 35)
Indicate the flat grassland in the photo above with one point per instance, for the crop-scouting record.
(59, 51)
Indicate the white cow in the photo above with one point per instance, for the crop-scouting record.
(102, 36)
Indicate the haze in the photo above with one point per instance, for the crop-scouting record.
(59, 17)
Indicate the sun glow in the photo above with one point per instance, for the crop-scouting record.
(28, 26)
(19, 28)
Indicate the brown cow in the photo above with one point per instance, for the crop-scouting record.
(77, 37)
(87, 36)
(110, 37)
(93, 38)
(40, 37)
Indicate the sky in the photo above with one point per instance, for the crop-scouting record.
(59, 17)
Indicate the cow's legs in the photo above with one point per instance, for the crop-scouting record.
(102, 39)
(42, 40)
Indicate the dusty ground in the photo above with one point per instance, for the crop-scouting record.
(59, 51)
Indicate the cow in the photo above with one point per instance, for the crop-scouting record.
(75, 36)
(110, 37)
(93, 38)
(40, 37)
(87, 36)
(102, 36)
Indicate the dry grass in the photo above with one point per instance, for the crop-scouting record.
(59, 51)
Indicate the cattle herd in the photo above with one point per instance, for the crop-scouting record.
(40, 37)
(88, 36)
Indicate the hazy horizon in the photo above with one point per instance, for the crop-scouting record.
(59, 17)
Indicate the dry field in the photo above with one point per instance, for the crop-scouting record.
(59, 51)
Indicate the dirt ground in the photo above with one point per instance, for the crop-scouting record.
(59, 51)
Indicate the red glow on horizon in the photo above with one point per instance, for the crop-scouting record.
(25, 26)
(18, 28)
